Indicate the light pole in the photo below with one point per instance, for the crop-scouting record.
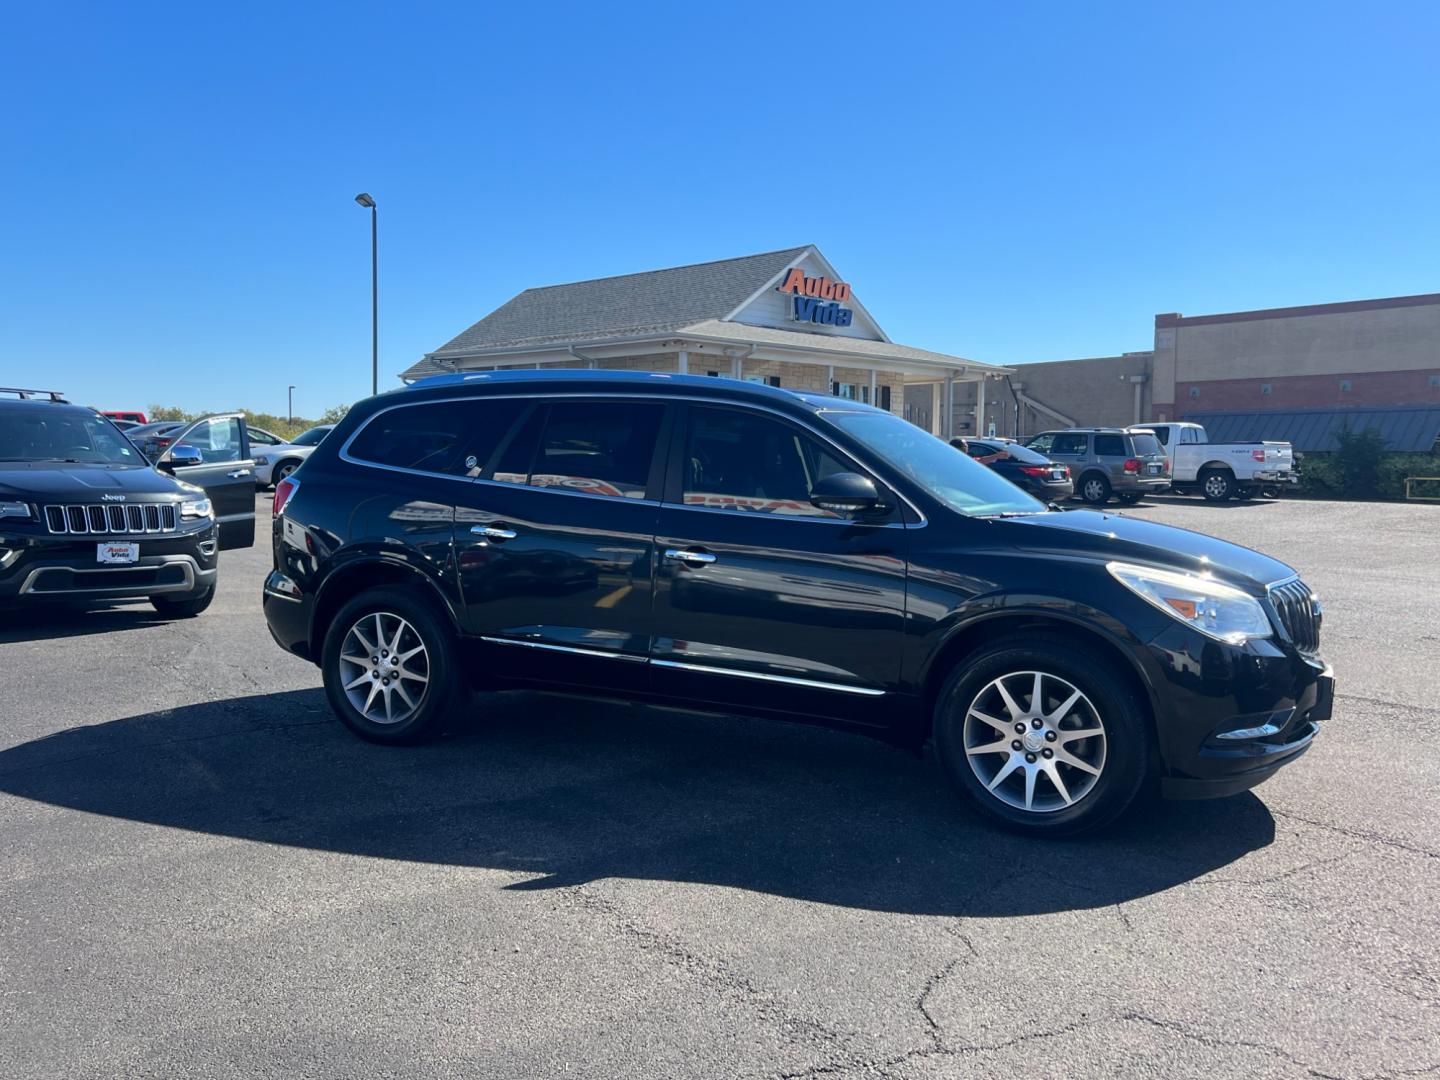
(365, 200)
(290, 407)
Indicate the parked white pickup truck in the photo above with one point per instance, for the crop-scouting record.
(1220, 471)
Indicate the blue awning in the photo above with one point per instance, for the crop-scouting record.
(1405, 428)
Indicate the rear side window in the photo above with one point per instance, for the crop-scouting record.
(597, 448)
(1109, 446)
(454, 438)
(1068, 443)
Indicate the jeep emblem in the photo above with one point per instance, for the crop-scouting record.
(113, 498)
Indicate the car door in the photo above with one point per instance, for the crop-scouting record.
(1067, 447)
(761, 599)
(214, 453)
(555, 542)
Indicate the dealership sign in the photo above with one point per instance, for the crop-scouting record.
(816, 299)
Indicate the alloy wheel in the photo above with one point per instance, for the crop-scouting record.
(1035, 741)
(1094, 490)
(1216, 486)
(384, 668)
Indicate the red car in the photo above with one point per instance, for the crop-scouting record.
(123, 414)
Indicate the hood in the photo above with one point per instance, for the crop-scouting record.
(1125, 539)
(46, 481)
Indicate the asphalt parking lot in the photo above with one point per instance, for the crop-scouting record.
(205, 876)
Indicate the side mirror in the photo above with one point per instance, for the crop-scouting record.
(846, 493)
(182, 455)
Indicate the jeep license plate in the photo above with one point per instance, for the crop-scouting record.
(117, 554)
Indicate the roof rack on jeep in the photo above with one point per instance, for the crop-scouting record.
(26, 395)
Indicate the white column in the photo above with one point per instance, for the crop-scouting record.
(684, 365)
(873, 399)
(949, 427)
(735, 367)
(936, 399)
(980, 428)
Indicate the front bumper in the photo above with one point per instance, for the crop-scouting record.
(1229, 717)
(52, 568)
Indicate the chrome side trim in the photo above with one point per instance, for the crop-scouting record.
(600, 653)
(788, 680)
(344, 452)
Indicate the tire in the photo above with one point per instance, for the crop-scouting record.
(183, 607)
(1095, 489)
(1217, 485)
(1121, 750)
(283, 469)
(1128, 499)
(427, 688)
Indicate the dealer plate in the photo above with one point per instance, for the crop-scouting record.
(117, 554)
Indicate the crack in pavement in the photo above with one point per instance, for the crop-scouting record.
(718, 975)
(1358, 834)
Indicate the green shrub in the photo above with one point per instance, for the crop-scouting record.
(1357, 460)
(1324, 476)
(1396, 467)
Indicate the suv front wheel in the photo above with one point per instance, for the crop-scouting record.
(1042, 736)
(389, 667)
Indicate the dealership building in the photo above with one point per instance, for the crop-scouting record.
(1295, 373)
(785, 318)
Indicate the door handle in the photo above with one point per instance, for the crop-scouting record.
(689, 558)
(492, 533)
(238, 473)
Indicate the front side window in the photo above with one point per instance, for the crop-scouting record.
(942, 471)
(218, 440)
(455, 438)
(1068, 443)
(593, 447)
(41, 433)
(737, 460)
(1042, 444)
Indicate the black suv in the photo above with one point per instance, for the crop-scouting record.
(85, 518)
(735, 547)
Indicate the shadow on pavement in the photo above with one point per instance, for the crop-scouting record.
(47, 622)
(574, 791)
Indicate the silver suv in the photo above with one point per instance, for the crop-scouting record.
(1107, 461)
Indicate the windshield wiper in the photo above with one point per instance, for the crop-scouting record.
(1013, 513)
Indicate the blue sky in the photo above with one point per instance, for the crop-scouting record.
(1009, 182)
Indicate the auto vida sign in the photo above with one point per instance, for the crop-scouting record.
(816, 299)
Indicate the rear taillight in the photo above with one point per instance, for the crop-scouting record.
(1258, 455)
(283, 490)
(1034, 470)
(1167, 465)
(1132, 464)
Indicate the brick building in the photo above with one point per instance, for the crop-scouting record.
(783, 317)
(1312, 369)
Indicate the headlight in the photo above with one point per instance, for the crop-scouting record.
(195, 508)
(1217, 610)
(14, 510)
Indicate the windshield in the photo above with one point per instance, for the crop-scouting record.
(28, 433)
(311, 437)
(943, 471)
(1146, 445)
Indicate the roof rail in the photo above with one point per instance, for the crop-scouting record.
(25, 395)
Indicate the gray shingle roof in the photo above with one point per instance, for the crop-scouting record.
(654, 301)
(1405, 428)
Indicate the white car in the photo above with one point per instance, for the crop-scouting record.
(275, 463)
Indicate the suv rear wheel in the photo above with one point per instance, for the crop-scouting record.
(1042, 736)
(1095, 489)
(389, 667)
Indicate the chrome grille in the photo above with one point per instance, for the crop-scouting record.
(102, 518)
(1299, 614)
